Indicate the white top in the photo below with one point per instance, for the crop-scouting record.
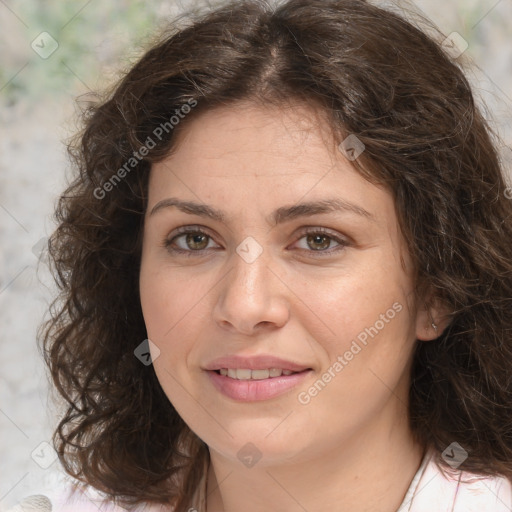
(430, 491)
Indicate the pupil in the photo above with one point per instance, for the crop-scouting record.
(320, 237)
(196, 239)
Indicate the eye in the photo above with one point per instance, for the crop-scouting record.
(192, 240)
(317, 240)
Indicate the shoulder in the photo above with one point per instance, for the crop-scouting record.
(460, 491)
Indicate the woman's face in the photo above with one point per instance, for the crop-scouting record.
(293, 263)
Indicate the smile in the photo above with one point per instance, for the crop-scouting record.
(248, 374)
(245, 385)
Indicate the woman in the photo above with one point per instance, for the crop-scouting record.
(286, 274)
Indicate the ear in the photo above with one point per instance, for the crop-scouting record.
(432, 318)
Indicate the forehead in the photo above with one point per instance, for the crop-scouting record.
(253, 150)
(251, 135)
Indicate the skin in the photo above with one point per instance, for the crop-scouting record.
(350, 447)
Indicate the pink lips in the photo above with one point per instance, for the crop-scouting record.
(255, 390)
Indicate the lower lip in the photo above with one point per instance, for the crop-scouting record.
(256, 390)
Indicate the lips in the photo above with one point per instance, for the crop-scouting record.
(248, 374)
(255, 378)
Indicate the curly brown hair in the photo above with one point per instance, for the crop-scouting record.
(375, 75)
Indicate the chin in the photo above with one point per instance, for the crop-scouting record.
(261, 443)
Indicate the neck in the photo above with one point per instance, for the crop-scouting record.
(370, 472)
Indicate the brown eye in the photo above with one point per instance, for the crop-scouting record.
(188, 241)
(196, 241)
(319, 241)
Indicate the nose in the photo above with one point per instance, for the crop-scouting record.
(252, 297)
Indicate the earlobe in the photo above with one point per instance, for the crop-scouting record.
(431, 321)
(431, 331)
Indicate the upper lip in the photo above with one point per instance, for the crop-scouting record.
(260, 362)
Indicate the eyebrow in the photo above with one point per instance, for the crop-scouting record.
(282, 214)
(279, 216)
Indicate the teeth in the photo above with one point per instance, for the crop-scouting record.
(243, 374)
(259, 374)
(247, 374)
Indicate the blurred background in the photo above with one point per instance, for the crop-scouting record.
(54, 54)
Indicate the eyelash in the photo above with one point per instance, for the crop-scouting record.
(196, 230)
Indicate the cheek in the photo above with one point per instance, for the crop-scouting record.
(373, 301)
(170, 317)
(176, 310)
(367, 341)
(167, 300)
